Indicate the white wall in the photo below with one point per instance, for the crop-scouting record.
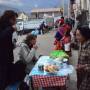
(89, 9)
(82, 4)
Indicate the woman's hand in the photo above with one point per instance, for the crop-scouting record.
(80, 67)
(83, 68)
(87, 67)
(14, 27)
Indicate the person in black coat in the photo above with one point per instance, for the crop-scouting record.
(42, 27)
(9, 72)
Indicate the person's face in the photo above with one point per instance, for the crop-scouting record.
(79, 37)
(33, 42)
(13, 20)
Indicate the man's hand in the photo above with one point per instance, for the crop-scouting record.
(35, 47)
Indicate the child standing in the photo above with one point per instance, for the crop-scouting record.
(57, 43)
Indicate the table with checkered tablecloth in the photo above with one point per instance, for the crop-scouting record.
(40, 79)
(48, 81)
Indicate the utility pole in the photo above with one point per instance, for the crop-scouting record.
(80, 4)
(63, 8)
(68, 8)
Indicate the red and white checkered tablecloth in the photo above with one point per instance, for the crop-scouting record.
(48, 81)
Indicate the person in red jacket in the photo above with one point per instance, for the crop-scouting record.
(61, 21)
(58, 36)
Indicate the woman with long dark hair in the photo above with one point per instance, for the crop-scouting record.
(83, 69)
(9, 72)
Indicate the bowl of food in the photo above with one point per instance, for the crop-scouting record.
(51, 69)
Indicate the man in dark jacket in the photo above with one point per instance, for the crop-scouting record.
(41, 29)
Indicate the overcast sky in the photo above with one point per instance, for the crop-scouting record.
(27, 5)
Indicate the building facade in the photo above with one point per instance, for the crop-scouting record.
(40, 13)
(72, 8)
(80, 6)
(84, 5)
(23, 16)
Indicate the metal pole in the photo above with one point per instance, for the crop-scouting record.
(89, 10)
(63, 8)
(68, 8)
(80, 4)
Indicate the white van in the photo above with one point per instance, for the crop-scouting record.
(20, 26)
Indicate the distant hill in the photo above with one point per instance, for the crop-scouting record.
(4, 7)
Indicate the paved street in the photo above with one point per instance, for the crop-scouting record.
(45, 44)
